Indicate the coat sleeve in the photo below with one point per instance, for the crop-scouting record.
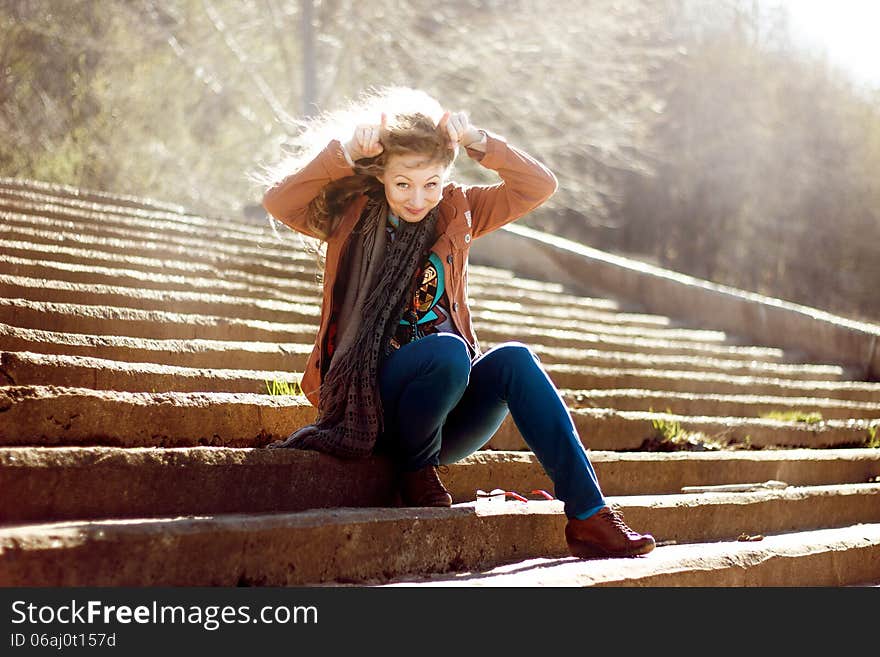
(526, 184)
(288, 199)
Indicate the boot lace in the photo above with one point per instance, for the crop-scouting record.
(615, 517)
(434, 475)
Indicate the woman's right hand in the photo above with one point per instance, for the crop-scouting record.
(366, 140)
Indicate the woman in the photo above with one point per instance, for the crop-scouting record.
(396, 367)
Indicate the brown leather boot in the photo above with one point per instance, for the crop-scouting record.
(605, 534)
(423, 488)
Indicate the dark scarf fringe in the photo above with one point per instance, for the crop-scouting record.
(350, 408)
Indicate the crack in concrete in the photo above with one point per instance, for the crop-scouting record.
(6, 378)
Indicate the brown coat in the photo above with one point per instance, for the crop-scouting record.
(466, 213)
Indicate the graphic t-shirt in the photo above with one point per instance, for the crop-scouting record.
(428, 311)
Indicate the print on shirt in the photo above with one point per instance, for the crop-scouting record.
(428, 307)
(428, 292)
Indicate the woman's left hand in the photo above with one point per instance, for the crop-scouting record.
(457, 127)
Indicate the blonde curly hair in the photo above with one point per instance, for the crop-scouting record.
(412, 127)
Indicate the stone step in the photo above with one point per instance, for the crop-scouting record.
(199, 303)
(685, 403)
(45, 219)
(95, 226)
(245, 260)
(99, 218)
(254, 257)
(48, 415)
(610, 429)
(555, 314)
(44, 484)
(69, 192)
(134, 322)
(152, 355)
(263, 356)
(271, 310)
(497, 333)
(148, 365)
(84, 260)
(358, 545)
(151, 324)
(65, 263)
(94, 214)
(614, 359)
(193, 284)
(845, 556)
(28, 368)
(161, 325)
(80, 371)
(580, 377)
(103, 204)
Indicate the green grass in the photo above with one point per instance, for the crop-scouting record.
(794, 416)
(668, 430)
(672, 436)
(276, 387)
(873, 439)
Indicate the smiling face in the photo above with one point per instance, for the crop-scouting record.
(413, 185)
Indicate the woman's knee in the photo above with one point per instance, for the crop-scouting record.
(513, 353)
(450, 357)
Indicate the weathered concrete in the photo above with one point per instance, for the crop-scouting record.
(306, 310)
(352, 545)
(609, 429)
(496, 332)
(576, 356)
(198, 303)
(685, 403)
(634, 473)
(105, 198)
(584, 378)
(769, 321)
(43, 484)
(43, 415)
(74, 264)
(561, 312)
(826, 557)
(266, 356)
(156, 324)
(28, 369)
(151, 265)
(47, 222)
(153, 324)
(45, 211)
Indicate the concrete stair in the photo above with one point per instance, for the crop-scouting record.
(144, 353)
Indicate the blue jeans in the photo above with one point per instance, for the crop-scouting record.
(440, 407)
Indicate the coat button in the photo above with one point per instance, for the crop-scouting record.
(449, 258)
(455, 306)
(467, 238)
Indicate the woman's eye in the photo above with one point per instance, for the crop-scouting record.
(431, 185)
(402, 185)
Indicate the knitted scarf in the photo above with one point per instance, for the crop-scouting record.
(377, 291)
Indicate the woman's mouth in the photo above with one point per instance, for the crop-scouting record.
(412, 211)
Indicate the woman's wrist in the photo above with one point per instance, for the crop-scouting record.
(347, 152)
(475, 139)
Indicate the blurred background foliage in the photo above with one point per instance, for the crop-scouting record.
(690, 133)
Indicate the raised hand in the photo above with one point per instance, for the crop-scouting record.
(366, 141)
(458, 129)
